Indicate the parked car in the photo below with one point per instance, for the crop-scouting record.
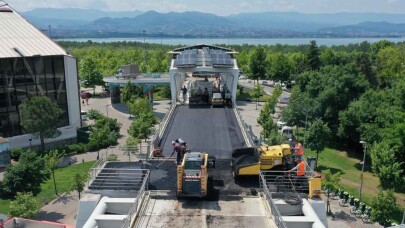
(287, 132)
(283, 100)
(264, 82)
(281, 124)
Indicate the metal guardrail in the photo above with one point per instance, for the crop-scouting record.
(246, 129)
(138, 202)
(159, 131)
(284, 181)
(274, 210)
(95, 170)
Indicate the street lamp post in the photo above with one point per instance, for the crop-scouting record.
(362, 169)
(106, 108)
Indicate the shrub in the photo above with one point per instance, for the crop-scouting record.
(384, 206)
(24, 206)
(102, 137)
(16, 153)
(94, 114)
(112, 157)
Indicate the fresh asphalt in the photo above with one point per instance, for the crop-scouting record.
(205, 129)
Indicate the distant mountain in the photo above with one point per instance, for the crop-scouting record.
(67, 17)
(367, 29)
(71, 22)
(168, 23)
(309, 22)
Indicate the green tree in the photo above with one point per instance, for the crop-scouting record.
(25, 176)
(281, 68)
(52, 159)
(94, 114)
(331, 182)
(313, 56)
(140, 129)
(390, 65)
(24, 206)
(131, 146)
(384, 206)
(257, 92)
(317, 137)
(386, 167)
(130, 92)
(40, 115)
(101, 137)
(90, 74)
(78, 183)
(258, 64)
(298, 63)
(139, 105)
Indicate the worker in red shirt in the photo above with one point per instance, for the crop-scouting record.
(299, 150)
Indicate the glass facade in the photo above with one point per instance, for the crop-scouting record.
(22, 78)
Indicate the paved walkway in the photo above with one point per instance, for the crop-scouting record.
(343, 218)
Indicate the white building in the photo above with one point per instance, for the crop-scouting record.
(31, 64)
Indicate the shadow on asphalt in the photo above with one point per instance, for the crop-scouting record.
(64, 199)
(159, 115)
(49, 216)
(341, 215)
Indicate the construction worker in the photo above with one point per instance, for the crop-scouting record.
(300, 178)
(300, 167)
(184, 91)
(176, 149)
(299, 150)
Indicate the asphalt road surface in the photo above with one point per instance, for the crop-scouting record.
(205, 129)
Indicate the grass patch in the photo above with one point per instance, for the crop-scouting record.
(247, 96)
(351, 170)
(63, 178)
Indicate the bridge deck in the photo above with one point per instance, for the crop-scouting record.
(205, 129)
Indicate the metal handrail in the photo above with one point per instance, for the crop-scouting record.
(159, 131)
(274, 210)
(138, 200)
(249, 135)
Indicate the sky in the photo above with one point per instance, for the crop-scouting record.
(220, 7)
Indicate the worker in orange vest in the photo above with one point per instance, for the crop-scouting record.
(299, 150)
(300, 167)
(300, 178)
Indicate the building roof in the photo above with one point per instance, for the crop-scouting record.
(19, 38)
(203, 55)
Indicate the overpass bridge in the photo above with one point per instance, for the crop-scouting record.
(217, 131)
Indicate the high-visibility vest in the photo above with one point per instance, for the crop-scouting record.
(301, 169)
(299, 149)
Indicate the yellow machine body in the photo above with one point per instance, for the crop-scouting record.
(268, 158)
(315, 187)
(192, 180)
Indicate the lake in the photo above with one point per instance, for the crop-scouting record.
(239, 41)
